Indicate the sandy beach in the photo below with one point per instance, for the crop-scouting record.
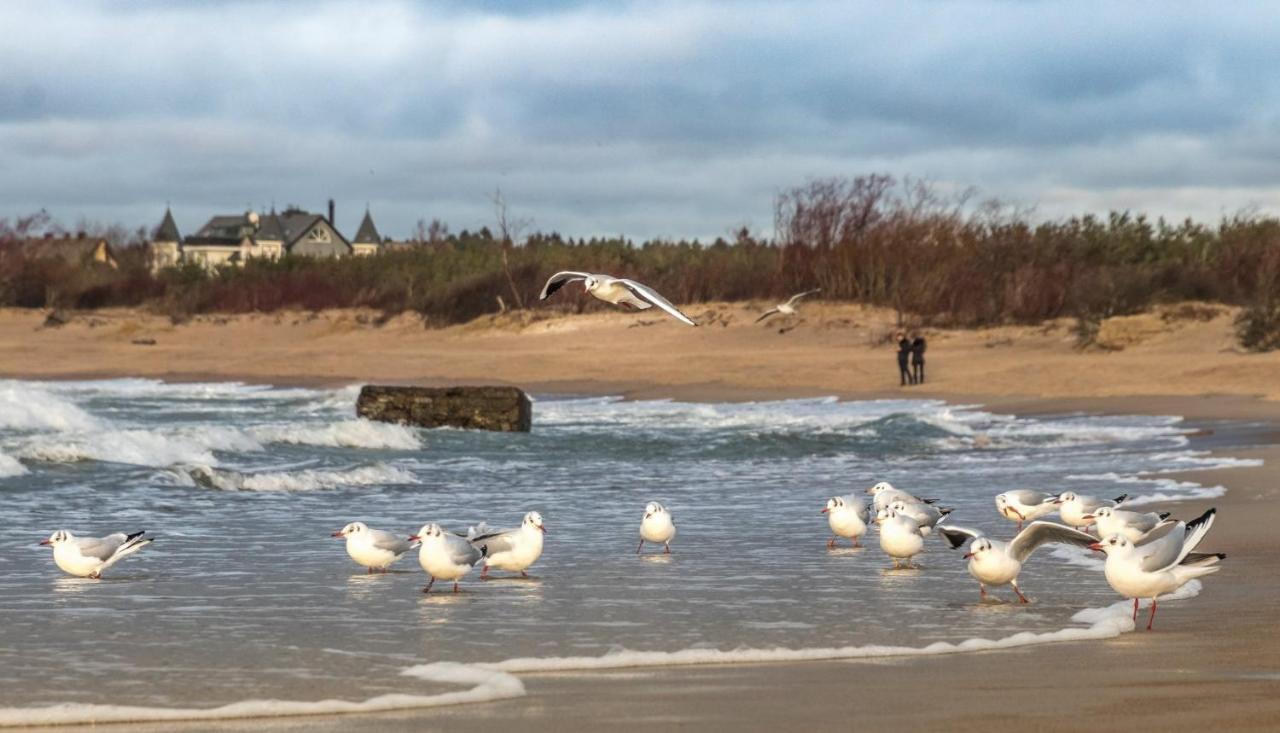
(1211, 662)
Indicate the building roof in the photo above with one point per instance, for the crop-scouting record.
(368, 233)
(270, 229)
(77, 250)
(168, 230)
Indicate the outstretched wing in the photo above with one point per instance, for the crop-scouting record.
(1175, 546)
(647, 293)
(957, 536)
(1044, 533)
(798, 296)
(766, 314)
(559, 280)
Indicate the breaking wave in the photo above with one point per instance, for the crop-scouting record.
(307, 480)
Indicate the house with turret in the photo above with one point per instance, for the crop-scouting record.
(236, 238)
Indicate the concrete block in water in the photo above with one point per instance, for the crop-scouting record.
(506, 409)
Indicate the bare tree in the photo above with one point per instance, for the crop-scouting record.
(509, 230)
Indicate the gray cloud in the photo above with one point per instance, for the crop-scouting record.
(667, 119)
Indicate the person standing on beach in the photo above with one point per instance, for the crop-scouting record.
(917, 359)
(904, 353)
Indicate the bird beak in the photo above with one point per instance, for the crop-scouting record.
(338, 534)
(45, 542)
(825, 510)
(968, 555)
(414, 538)
(647, 515)
(542, 529)
(1057, 501)
(1087, 516)
(1096, 546)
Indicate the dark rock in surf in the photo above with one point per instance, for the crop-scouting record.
(506, 409)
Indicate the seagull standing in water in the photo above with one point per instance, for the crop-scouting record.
(615, 290)
(1161, 566)
(1077, 510)
(901, 537)
(788, 308)
(375, 549)
(87, 557)
(883, 494)
(993, 562)
(1025, 505)
(444, 555)
(848, 517)
(1132, 525)
(656, 526)
(926, 515)
(510, 549)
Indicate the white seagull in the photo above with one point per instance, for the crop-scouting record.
(1077, 510)
(510, 549)
(656, 526)
(1161, 566)
(1132, 525)
(884, 494)
(788, 308)
(901, 537)
(87, 557)
(1025, 505)
(926, 515)
(444, 555)
(615, 290)
(848, 517)
(375, 549)
(993, 562)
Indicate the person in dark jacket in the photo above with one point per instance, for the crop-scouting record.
(917, 359)
(904, 353)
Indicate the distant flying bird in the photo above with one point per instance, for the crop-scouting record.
(615, 290)
(993, 562)
(444, 555)
(87, 557)
(788, 308)
(375, 549)
(510, 549)
(1161, 566)
(656, 526)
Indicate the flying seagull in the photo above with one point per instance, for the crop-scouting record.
(615, 290)
(788, 308)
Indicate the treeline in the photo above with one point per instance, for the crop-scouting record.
(937, 258)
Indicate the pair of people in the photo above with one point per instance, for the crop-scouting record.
(911, 358)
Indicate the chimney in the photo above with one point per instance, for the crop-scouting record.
(330, 212)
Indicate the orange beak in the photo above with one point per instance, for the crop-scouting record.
(1088, 516)
(338, 534)
(825, 510)
(1096, 546)
(542, 529)
(45, 542)
(968, 555)
(414, 538)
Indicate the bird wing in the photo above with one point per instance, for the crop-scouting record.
(798, 296)
(957, 536)
(1173, 548)
(496, 542)
(1029, 497)
(102, 548)
(559, 280)
(766, 314)
(384, 540)
(649, 294)
(462, 552)
(1044, 533)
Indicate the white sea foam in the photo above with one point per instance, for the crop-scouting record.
(308, 480)
(9, 466)
(485, 685)
(1166, 489)
(194, 445)
(358, 433)
(24, 406)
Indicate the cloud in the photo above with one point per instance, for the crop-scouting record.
(648, 119)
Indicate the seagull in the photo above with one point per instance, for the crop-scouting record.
(848, 517)
(788, 308)
(926, 515)
(901, 537)
(993, 562)
(1074, 508)
(1025, 505)
(615, 290)
(885, 495)
(510, 549)
(445, 555)
(87, 557)
(1161, 566)
(375, 549)
(1132, 525)
(657, 526)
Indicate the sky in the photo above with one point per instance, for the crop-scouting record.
(655, 119)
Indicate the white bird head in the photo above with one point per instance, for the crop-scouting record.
(1115, 544)
(354, 528)
(428, 530)
(898, 506)
(1066, 497)
(1102, 511)
(1001, 500)
(653, 508)
(884, 514)
(534, 519)
(979, 546)
(590, 282)
(882, 486)
(57, 538)
(834, 503)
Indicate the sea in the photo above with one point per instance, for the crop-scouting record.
(245, 605)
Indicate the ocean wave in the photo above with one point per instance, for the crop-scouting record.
(1166, 489)
(307, 480)
(358, 433)
(26, 407)
(139, 447)
(9, 466)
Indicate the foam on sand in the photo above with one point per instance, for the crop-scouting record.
(486, 685)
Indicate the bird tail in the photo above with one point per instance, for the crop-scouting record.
(1164, 515)
(135, 543)
(1196, 530)
(1120, 499)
